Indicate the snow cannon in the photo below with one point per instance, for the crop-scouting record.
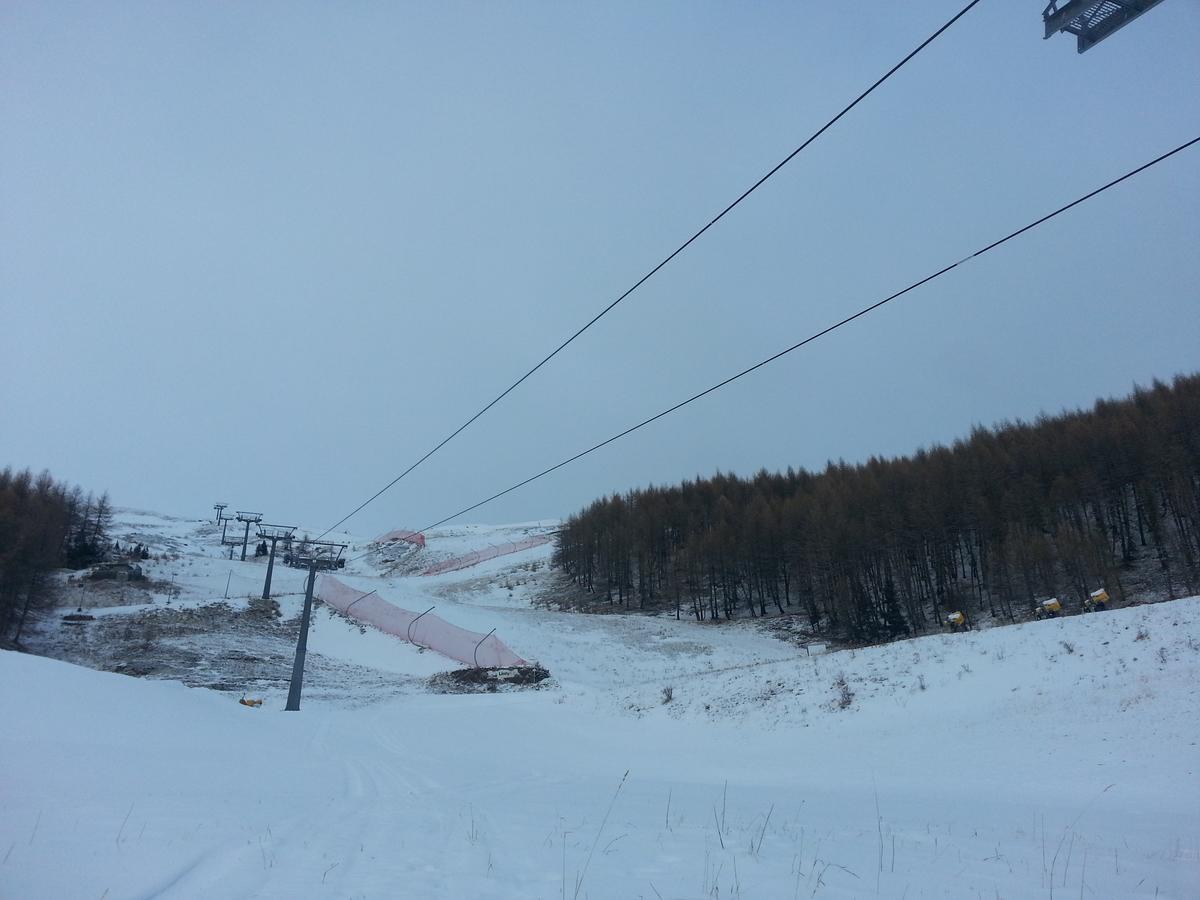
(957, 621)
(1097, 601)
(1048, 609)
(255, 703)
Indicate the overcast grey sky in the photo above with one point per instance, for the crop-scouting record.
(271, 253)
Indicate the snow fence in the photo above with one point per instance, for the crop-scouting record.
(491, 552)
(428, 630)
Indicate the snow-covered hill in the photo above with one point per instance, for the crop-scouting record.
(665, 759)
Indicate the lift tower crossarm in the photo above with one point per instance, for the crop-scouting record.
(1091, 21)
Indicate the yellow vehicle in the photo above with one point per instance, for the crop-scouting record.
(957, 621)
(1048, 609)
(1097, 601)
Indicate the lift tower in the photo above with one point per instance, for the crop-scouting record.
(274, 534)
(250, 518)
(318, 555)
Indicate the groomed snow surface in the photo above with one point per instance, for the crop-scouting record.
(1055, 758)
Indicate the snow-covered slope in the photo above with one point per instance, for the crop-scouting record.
(1057, 757)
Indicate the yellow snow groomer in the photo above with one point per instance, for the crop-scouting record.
(1097, 601)
(1048, 609)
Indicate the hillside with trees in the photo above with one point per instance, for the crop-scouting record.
(45, 525)
(1060, 506)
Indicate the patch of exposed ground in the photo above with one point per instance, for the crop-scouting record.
(483, 680)
(216, 646)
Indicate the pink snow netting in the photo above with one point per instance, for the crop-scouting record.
(409, 537)
(478, 556)
(427, 630)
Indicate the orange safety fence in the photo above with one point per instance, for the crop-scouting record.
(400, 534)
(423, 629)
(491, 552)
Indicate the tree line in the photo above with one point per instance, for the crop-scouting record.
(45, 525)
(1061, 506)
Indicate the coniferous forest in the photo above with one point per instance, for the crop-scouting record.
(44, 525)
(1065, 505)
